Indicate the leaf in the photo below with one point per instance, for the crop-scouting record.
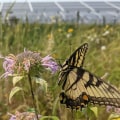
(91, 112)
(16, 79)
(49, 117)
(13, 92)
(95, 110)
(114, 117)
(42, 82)
(55, 106)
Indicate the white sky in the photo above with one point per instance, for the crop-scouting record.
(52, 0)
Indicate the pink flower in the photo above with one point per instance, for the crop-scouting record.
(27, 61)
(49, 62)
(23, 116)
(117, 110)
(112, 108)
(26, 64)
(8, 65)
(109, 108)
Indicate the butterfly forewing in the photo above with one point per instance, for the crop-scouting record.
(75, 60)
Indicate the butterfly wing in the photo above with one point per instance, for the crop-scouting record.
(75, 60)
(78, 56)
(82, 87)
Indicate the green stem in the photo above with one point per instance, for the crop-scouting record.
(33, 97)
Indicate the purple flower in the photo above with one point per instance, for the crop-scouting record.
(25, 61)
(49, 62)
(13, 117)
(110, 108)
(26, 64)
(8, 65)
(117, 110)
(23, 116)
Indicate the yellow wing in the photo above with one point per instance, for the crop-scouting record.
(75, 60)
(78, 56)
(82, 87)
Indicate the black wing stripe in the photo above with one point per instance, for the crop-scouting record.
(115, 94)
(86, 90)
(102, 92)
(78, 76)
(106, 99)
(109, 96)
(110, 87)
(94, 81)
(77, 58)
(92, 86)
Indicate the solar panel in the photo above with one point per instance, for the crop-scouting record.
(116, 3)
(44, 6)
(17, 7)
(73, 6)
(87, 11)
(101, 6)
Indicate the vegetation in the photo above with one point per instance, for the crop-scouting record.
(59, 40)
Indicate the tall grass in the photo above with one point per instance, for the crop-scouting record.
(62, 39)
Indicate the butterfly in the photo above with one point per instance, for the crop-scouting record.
(80, 87)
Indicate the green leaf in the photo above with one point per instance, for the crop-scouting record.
(31, 110)
(95, 110)
(49, 117)
(42, 82)
(55, 106)
(13, 92)
(114, 116)
(16, 79)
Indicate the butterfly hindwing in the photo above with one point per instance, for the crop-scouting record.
(82, 88)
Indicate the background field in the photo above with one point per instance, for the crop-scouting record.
(59, 40)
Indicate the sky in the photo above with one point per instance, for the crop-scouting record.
(52, 0)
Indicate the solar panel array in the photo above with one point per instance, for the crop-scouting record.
(81, 12)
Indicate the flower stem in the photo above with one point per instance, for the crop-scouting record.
(33, 97)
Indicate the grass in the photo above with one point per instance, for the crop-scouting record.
(60, 40)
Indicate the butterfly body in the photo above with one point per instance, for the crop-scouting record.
(81, 87)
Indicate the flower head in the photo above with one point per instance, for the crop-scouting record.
(70, 30)
(13, 117)
(117, 110)
(48, 62)
(110, 108)
(9, 65)
(23, 115)
(26, 61)
(103, 47)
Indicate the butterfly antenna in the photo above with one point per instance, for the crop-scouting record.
(70, 46)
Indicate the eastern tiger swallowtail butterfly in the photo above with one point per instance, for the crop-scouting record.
(81, 87)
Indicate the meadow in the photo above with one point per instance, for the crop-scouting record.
(58, 40)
